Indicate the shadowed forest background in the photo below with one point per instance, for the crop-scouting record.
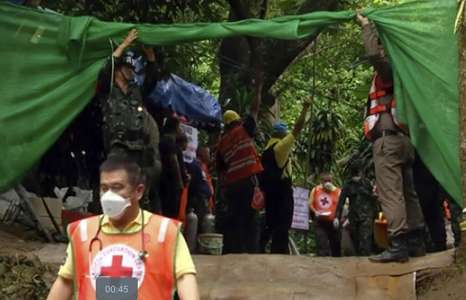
(329, 67)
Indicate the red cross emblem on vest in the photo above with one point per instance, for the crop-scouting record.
(324, 200)
(117, 269)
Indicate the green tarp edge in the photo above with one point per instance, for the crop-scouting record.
(51, 64)
(423, 49)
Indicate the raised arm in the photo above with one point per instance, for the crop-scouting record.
(299, 124)
(374, 49)
(151, 70)
(130, 38)
(105, 75)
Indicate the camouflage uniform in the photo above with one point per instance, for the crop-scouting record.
(362, 211)
(456, 219)
(128, 129)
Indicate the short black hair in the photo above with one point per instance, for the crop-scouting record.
(120, 162)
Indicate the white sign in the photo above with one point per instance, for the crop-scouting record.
(301, 208)
(192, 134)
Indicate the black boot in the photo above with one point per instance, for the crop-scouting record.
(437, 247)
(396, 252)
(416, 244)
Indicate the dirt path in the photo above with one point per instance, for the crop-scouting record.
(13, 243)
(449, 284)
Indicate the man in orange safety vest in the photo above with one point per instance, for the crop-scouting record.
(125, 252)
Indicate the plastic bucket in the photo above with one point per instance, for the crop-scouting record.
(210, 243)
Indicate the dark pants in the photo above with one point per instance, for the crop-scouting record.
(327, 239)
(362, 235)
(393, 158)
(241, 224)
(199, 204)
(279, 213)
(431, 200)
(170, 197)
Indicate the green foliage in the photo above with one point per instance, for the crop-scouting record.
(323, 135)
(195, 62)
(330, 71)
(277, 8)
(136, 11)
(305, 240)
(333, 73)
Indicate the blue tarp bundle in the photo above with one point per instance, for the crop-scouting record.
(186, 99)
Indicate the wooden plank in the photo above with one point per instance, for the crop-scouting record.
(386, 287)
(430, 261)
(54, 204)
(298, 277)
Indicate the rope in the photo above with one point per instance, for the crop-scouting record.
(113, 66)
(460, 15)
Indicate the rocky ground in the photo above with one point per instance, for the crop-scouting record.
(449, 284)
(28, 267)
(23, 278)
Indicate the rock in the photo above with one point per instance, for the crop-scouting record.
(22, 278)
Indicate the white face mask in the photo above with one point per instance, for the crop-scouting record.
(113, 205)
(328, 186)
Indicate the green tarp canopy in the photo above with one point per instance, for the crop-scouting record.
(50, 64)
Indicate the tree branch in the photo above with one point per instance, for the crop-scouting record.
(238, 9)
(263, 9)
(277, 55)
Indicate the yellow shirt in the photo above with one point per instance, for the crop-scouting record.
(183, 261)
(282, 151)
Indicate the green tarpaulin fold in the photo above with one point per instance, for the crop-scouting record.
(50, 65)
(423, 49)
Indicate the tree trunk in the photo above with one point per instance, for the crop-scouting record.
(239, 57)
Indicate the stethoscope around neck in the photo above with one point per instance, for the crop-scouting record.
(142, 254)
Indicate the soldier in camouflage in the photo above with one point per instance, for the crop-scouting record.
(128, 129)
(456, 219)
(362, 209)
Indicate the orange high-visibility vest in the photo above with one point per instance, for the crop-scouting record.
(211, 202)
(183, 203)
(238, 151)
(379, 89)
(325, 203)
(120, 257)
